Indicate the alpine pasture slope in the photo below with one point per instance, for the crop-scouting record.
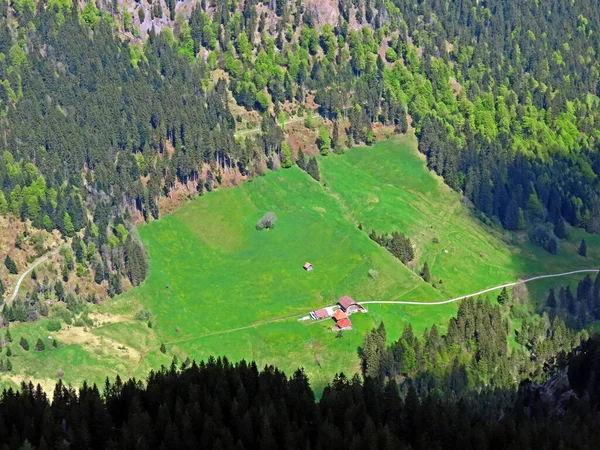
(217, 286)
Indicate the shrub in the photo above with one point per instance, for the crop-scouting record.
(79, 322)
(267, 221)
(53, 325)
(143, 314)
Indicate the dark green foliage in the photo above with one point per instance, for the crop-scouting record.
(2, 289)
(503, 298)
(163, 349)
(397, 244)
(135, 261)
(384, 415)
(544, 237)
(313, 168)
(425, 273)
(11, 265)
(39, 345)
(24, 344)
(583, 248)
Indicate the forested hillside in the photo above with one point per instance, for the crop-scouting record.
(223, 405)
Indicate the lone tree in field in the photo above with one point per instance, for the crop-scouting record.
(39, 346)
(11, 265)
(425, 273)
(583, 248)
(24, 344)
(267, 221)
(163, 349)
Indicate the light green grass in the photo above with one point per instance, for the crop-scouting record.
(217, 286)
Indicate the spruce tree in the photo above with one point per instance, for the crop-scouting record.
(583, 248)
(24, 344)
(10, 265)
(39, 345)
(2, 289)
(425, 273)
(503, 297)
(313, 168)
(163, 349)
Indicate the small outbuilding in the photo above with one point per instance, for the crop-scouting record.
(344, 324)
(319, 314)
(307, 266)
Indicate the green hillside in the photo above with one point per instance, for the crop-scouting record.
(218, 286)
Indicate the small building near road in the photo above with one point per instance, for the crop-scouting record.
(307, 266)
(320, 314)
(348, 305)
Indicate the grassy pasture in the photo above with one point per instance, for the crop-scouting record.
(217, 286)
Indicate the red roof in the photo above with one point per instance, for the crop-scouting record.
(344, 323)
(345, 302)
(339, 315)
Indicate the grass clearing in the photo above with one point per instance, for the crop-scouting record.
(217, 286)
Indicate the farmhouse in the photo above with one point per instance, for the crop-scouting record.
(307, 266)
(348, 305)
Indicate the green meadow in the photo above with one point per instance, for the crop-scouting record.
(218, 286)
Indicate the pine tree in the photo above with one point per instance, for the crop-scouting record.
(8, 335)
(163, 349)
(425, 273)
(313, 168)
(301, 160)
(10, 265)
(503, 297)
(2, 289)
(286, 161)
(24, 344)
(39, 345)
(583, 248)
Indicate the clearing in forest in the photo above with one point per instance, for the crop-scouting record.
(219, 286)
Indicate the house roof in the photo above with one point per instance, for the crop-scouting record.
(346, 302)
(339, 315)
(307, 264)
(344, 323)
(321, 313)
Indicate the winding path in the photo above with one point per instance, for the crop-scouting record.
(29, 269)
(539, 277)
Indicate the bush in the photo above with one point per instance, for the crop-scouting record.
(143, 314)
(267, 221)
(53, 325)
(544, 237)
(79, 323)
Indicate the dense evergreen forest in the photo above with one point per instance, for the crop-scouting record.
(219, 405)
(97, 129)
